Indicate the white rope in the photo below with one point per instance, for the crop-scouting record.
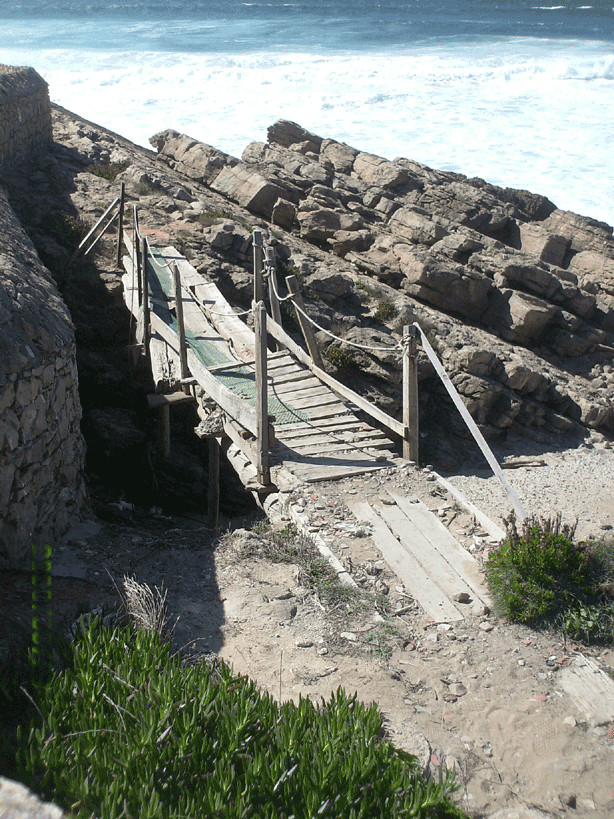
(267, 275)
(397, 348)
(228, 315)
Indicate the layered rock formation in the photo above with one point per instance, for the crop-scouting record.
(517, 295)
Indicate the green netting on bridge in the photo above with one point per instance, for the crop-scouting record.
(240, 380)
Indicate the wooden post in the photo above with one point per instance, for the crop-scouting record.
(120, 230)
(137, 251)
(269, 255)
(165, 429)
(411, 429)
(183, 353)
(306, 327)
(258, 280)
(262, 413)
(213, 495)
(146, 319)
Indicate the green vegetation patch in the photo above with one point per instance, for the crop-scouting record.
(108, 170)
(540, 577)
(386, 311)
(128, 731)
(340, 357)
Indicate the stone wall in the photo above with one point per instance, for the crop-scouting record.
(41, 448)
(25, 116)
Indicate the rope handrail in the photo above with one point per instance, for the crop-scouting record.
(398, 347)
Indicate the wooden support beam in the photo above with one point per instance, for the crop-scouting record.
(269, 255)
(120, 230)
(136, 252)
(145, 313)
(262, 413)
(258, 256)
(213, 494)
(411, 430)
(91, 232)
(183, 354)
(306, 327)
(154, 401)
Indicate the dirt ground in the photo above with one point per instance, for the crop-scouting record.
(481, 696)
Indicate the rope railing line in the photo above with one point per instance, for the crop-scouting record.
(290, 297)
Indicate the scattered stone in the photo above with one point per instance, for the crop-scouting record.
(462, 597)
(304, 643)
(486, 626)
(349, 635)
(457, 689)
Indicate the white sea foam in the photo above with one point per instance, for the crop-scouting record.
(520, 113)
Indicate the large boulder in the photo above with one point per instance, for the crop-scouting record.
(248, 189)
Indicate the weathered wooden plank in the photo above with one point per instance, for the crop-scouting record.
(346, 421)
(331, 411)
(366, 406)
(485, 522)
(431, 560)
(302, 393)
(155, 401)
(314, 401)
(334, 473)
(591, 689)
(446, 544)
(339, 446)
(313, 437)
(425, 590)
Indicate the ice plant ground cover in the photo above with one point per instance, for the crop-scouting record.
(129, 730)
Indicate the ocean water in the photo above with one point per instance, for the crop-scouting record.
(518, 92)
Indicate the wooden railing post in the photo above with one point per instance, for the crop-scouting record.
(213, 494)
(145, 277)
(411, 431)
(269, 255)
(183, 353)
(262, 411)
(137, 251)
(258, 279)
(120, 230)
(306, 328)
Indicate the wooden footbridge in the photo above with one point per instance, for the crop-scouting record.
(279, 415)
(282, 421)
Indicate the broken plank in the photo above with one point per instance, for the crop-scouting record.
(425, 590)
(591, 689)
(442, 540)
(431, 560)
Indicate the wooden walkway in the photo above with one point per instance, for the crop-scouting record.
(316, 435)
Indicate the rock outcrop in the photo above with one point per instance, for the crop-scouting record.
(518, 295)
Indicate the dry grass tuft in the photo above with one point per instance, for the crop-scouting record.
(146, 607)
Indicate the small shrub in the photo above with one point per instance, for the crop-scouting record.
(386, 311)
(539, 576)
(109, 171)
(129, 731)
(66, 230)
(366, 292)
(340, 357)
